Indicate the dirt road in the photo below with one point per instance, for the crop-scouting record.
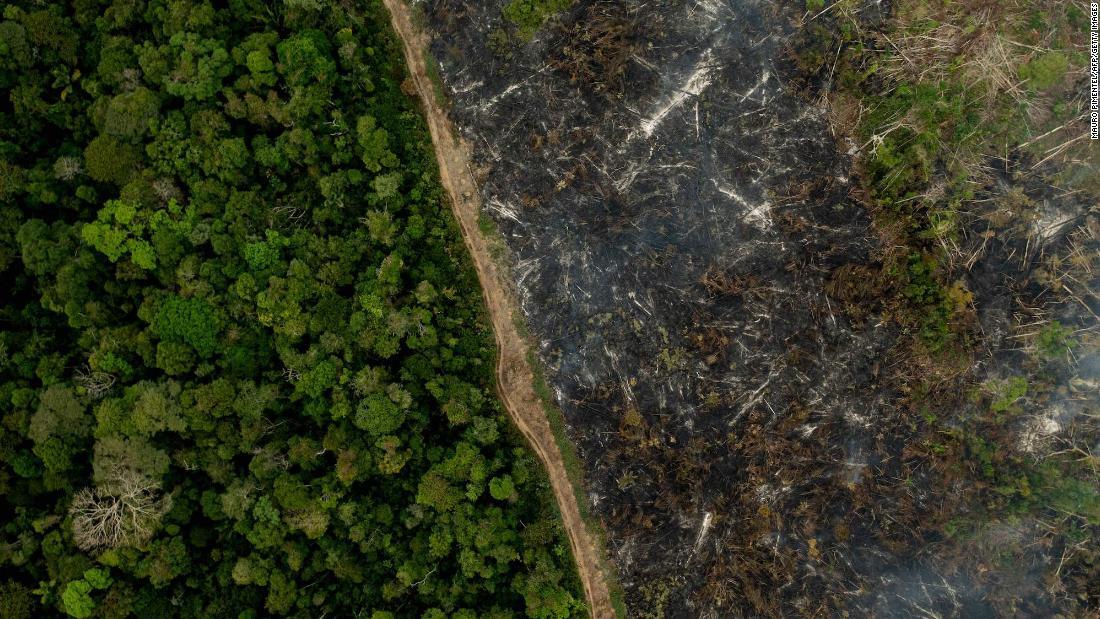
(514, 376)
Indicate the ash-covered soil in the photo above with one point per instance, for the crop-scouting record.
(674, 212)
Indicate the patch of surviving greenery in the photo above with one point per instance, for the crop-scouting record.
(244, 366)
(1006, 393)
(947, 87)
(527, 16)
(522, 20)
(1054, 340)
(927, 101)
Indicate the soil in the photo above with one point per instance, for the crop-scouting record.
(514, 374)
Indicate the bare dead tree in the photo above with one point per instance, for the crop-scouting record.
(96, 383)
(126, 512)
(131, 79)
(293, 215)
(166, 190)
(271, 457)
(68, 168)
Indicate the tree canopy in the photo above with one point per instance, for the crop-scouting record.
(244, 363)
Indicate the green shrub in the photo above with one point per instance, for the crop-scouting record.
(1045, 71)
(529, 15)
(1054, 340)
(1006, 393)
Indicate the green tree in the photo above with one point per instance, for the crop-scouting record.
(375, 144)
(129, 115)
(197, 66)
(305, 57)
(378, 414)
(16, 601)
(234, 304)
(190, 321)
(502, 488)
(57, 426)
(109, 160)
(77, 600)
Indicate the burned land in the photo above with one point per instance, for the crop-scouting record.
(766, 424)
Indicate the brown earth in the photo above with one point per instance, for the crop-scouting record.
(515, 378)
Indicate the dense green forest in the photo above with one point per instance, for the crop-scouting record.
(244, 367)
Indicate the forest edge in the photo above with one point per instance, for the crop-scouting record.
(515, 378)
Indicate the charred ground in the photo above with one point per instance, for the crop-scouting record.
(726, 320)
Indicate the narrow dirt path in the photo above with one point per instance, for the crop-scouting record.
(514, 377)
